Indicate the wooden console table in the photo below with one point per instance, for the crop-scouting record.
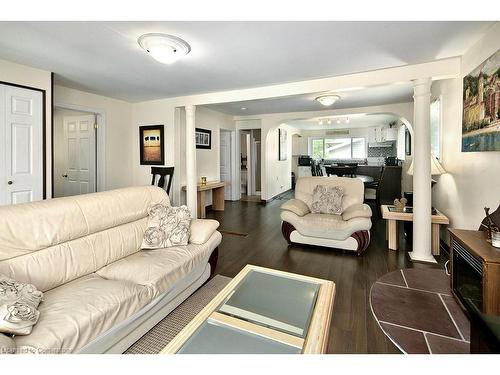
(217, 196)
(392, 232)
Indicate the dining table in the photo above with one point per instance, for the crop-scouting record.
(366, 179)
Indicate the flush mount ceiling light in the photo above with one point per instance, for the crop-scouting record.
(327, 100)
(164, 48)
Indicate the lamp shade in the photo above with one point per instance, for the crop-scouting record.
(436, 167)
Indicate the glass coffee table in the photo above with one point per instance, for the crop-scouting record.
(261, 311)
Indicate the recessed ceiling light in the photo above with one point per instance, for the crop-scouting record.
(243, 108)
(327, 100)
(164, 48)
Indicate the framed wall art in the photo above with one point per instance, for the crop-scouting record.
(481, 107)
(203, 138)
(152, 145)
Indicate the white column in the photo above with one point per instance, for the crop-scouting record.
(191, 175)
(422, 172)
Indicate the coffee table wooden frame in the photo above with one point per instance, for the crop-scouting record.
(316, 340)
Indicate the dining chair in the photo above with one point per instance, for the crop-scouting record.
(163, 173)
(387, 189)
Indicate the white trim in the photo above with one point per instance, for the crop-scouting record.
(101, 139)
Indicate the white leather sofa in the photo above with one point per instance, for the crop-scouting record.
(348, 231)
(101, 292)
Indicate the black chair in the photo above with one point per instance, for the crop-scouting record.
(316, 168)
(163, 172)
(387, 189)
(341, 171)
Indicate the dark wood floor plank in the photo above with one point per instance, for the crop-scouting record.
(353, 328)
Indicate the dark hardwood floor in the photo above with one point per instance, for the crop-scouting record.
(353, 328)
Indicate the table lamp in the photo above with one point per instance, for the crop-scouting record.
(436, 168)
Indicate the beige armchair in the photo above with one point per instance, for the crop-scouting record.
(349, 230)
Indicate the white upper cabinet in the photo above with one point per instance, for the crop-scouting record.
(390, 133)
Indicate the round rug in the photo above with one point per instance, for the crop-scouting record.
(415, 308)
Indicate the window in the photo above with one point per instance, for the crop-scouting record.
(435, 127)
(318, 151)
(338, 148)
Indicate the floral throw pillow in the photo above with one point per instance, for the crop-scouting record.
(18, 306)
(327, 200)
(167, 226)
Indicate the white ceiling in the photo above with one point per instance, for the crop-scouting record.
(401, 92)
(355, 122)
(104, 57)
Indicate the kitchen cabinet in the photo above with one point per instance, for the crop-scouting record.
(391, 133)
(379, 134)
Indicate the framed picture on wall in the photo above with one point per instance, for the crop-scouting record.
(407, 142)
(481, 107)
(203, 138)
(282, 145)
(152, 145)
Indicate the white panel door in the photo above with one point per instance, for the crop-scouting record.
(80, 155)
(225, 162)
(21, 159)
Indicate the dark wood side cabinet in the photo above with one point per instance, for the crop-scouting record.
(475, 270)
(475, 282)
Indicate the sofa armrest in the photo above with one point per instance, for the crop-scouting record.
(7, 344)
(202, 230)
(296, 206)
(357, 210)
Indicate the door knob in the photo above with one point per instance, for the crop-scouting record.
(9, 182)
(65, 175)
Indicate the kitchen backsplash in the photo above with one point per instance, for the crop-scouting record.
(382, 151)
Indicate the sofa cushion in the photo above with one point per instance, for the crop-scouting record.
(357, 210)
(296, 206)
(325, 225)
(18, 306)
(167, 226)
(52, 242)
(7, 344)
(60, 264)
(73, 314)
(201, 230)
(327, 200)
(160, 269)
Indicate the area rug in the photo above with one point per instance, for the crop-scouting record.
(416, 310)
(162, 333)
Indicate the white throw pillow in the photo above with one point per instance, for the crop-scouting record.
(18, 306)
(327, 200)
(167, 226)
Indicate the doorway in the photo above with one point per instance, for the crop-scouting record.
(250, 174)
(75, 151)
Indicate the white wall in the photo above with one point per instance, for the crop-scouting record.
(118, 113)
(208, 161)
(473, 178)
(40, 79)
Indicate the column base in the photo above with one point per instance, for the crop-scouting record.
(419, 258)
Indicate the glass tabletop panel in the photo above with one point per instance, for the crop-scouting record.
(215, 338)
(278, 302)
